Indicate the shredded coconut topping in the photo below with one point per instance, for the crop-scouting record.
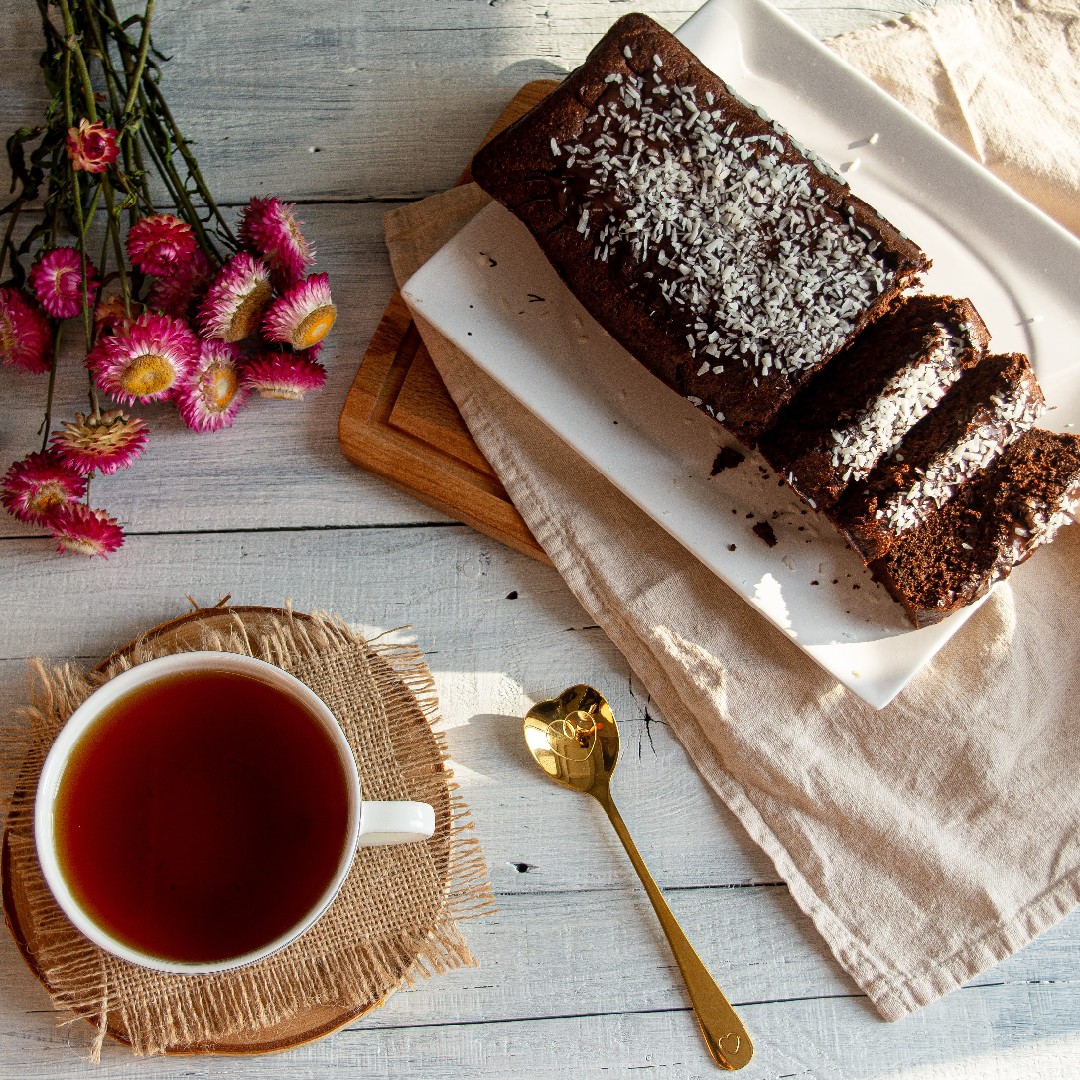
(724, 231)
(904, 400)
(1014, 412)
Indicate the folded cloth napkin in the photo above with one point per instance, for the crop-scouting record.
(928, 840)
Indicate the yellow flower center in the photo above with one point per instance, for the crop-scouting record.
(80, 547)
(219, 388)
(7, 337)
(245, 319)
(148, 374)
(314, 327)
(281, 393)
(47, 497)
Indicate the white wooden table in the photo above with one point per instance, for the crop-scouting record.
(350, 109)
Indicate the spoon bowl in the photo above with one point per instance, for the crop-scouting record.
(575, 740)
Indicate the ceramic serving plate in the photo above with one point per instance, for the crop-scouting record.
(493, 293)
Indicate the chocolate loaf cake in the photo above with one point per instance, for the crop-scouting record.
(726, 258)
(992, 523)
(858, 408)
(990, 406)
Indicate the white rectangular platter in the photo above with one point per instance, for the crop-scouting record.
(492, 292)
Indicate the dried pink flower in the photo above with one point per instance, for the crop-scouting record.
(25, 335)
(283, 375)
(102, 443)
(213, 395)
(35, 488)
(160, 244)
(174, 293)
(111, 316)
(303, 316)
(57, 281)
(149, 361)
(268, 227)
(79, 529)
(236, 299)
(92, 147)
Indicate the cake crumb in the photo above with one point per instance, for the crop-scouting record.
(728, 458)
(764, 531)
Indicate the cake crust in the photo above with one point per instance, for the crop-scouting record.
(715, 249)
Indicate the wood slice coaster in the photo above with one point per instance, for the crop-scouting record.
(310, 1023)
(400, 422)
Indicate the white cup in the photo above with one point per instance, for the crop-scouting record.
(369, 823)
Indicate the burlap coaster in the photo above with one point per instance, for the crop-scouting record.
(395, 917)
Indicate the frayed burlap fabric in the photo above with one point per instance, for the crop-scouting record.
(929, 840)
(395, 917)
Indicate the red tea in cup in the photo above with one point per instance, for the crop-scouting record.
(201, 810)
(202, 816)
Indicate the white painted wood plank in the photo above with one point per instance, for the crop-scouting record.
(393, 96)
(1012, 1032)
(491, 657)
(279, 465)
(602, 953)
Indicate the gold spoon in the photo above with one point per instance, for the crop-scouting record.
(575, 740)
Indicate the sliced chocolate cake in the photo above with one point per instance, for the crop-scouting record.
(859, 407)
(993, 522)
(990, 406)
(726, 258)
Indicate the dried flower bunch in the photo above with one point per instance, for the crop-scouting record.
(175, 307)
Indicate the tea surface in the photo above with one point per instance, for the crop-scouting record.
(202, 817)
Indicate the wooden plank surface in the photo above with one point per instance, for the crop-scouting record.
(272, 509)
(541, 972)
(364, 99)
(400, 423)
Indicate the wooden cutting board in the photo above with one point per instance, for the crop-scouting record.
(400, 422)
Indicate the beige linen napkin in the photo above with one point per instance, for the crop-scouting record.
(928, 840)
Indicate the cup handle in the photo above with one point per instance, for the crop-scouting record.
(384, 823)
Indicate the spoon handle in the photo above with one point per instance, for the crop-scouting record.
(724, 1033)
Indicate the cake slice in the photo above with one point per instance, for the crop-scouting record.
(859, 407)
(992, 523)
(726, 258)
(990, 406)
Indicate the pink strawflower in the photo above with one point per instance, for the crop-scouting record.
(25, 335)
(79, 529)
(213, 395)
(57, 281)
(283, 375)
(303, 316)
(268, 227)
(102, 443)
(174, 292)
(236, 299)
(35, 488)
(160, 244)
(92, 147)
(111, 316)
(149, 361)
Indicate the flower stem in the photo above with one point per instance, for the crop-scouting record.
(135, 78)
(46, 424)
(74, 49)
(155, 108)
(112, 225)
(7, 245)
